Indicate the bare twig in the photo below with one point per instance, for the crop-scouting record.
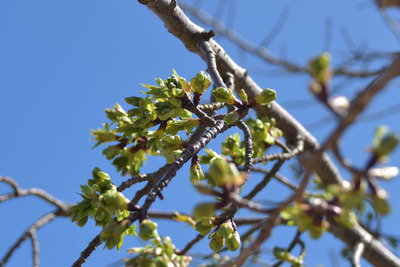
(31, 232)
(357, 254)
(88, 250)
(261, 52)
(18, 192)
(282, 156)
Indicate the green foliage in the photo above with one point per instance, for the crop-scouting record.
(161, 253)
(102, 202)
(201, 82)
(264, 133)
(155, 125)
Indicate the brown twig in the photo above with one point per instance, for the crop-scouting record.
(31, 233)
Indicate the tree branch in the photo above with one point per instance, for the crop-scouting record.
(31, 232)
(188, 32)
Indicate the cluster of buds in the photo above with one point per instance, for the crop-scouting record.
(226, 233)
(162, 253)
(113, 233)
(309, 215)
(101, 200)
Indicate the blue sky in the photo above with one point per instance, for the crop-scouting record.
(63, 62)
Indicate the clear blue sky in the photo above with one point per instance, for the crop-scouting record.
(63, 62)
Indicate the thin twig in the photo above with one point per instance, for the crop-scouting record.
(31, 232)
(357, 254)
(282, 156)
(18, 192)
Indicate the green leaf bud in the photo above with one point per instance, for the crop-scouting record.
(233, 241)
(384, 141)
(164, 110)
(182, 113)
(218, 171)
(266, 96)
(281, 254)
(200, 83)
(172, 156)
(99, 176)
(196, 174)
(380, 202)
(171, 143)
(203, 210)
(113, 200)
(113, 234)
(297, 262)
(111, 152)
(178, 92)
(243, 95)
(320, 67)
(148, 229)
(224, 95)
(133, 100)
(225, 229)
(208, 221)
(231, 117)
(203, 229)
(216, 243)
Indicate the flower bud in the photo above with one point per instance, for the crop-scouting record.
(201, 82)
(216, 243)
(233, 241)
(224, 95)
(225, 229)
(266, 96)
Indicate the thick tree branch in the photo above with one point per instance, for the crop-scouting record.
(189, 33)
